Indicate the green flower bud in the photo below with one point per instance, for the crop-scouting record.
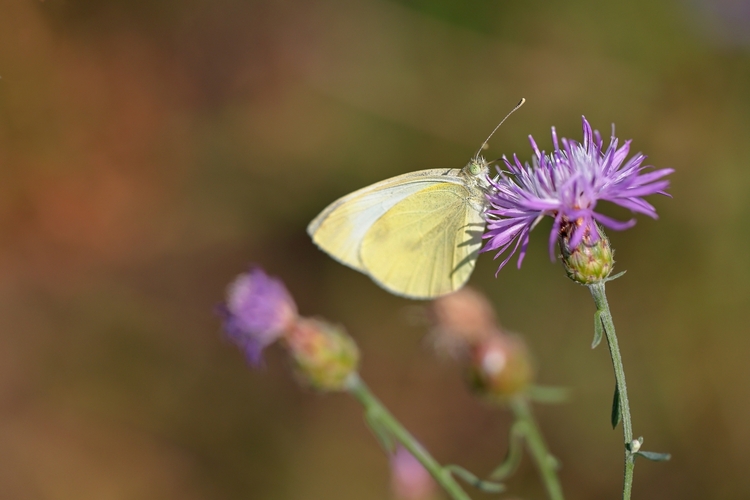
(324, 355)
(591, 260)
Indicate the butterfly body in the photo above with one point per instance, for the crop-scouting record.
(416, 235)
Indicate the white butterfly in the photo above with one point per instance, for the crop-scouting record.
(416, 235)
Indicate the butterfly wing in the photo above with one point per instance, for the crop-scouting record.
(341, 227)
(425, 245)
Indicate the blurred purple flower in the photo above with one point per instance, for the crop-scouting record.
(409, 479)
(258, 311)
(566, 185)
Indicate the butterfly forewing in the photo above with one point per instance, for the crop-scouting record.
(340, 229)
(426, 244)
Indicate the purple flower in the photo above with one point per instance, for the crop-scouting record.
(258, 311)
(409, 479)
(566, 185)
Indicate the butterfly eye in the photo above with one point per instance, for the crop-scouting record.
(475, 168)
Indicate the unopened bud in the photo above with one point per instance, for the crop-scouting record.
(501, 366)
(462, 319)
(324, 355)
(591, 260)
(635, 445)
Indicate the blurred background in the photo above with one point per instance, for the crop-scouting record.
(151, 151)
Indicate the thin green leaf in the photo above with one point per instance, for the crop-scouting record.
(598, 329)
(480, 484)
(615, 276)
(548, 394)
(616, 415)
(656, 457)
(515, 452)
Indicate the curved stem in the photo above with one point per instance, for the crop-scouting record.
(378, 413)
(538, 448)
(600, 299)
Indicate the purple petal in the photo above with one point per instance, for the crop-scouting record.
(652, 176)
(612, 223)
(554, 138)
(525, 237)
(534, 147)
(579, 231)
(553, 236)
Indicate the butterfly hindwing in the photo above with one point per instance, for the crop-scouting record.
(425, 245)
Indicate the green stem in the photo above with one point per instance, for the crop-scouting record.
(375, 409)
(538, 448)
(600, 299)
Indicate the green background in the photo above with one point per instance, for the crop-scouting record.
(150, 151)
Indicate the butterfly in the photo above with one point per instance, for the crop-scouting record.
(416, 235)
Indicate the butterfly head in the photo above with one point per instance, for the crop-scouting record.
(477, 172)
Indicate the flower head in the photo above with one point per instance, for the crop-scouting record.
(258, 311)
(566, 185)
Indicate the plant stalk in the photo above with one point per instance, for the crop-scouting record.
(538, 448)
(375, 409)
(600, 299)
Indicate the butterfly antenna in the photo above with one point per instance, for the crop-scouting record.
(498, 126)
